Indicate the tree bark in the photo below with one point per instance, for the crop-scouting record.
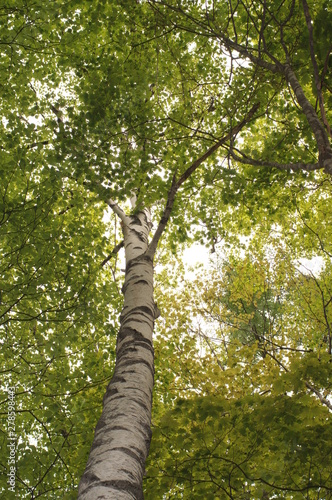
(122, 438)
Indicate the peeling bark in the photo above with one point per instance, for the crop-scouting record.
(122, 438)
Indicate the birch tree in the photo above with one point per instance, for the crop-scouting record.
(123, 433)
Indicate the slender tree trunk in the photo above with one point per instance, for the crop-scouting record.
(122, 438)
(121, 444)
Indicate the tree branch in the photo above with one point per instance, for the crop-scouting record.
(234, 131)
(323, 400)
(323, 144)
(164, 219)
(321, 244)
(113, 252)
(309, 167)
(326, 65)
(318, 82)
(274, 68)
(190, 170)
(118, 211)
(308, 385)
(35, 144)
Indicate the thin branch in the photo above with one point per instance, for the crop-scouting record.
(207, 340)
(202, 31)
(308, 385)
(113, 253)
(261, 32)
(323, 400)
(118, 211)
(156, 37)
(164, 219)
(309, 167)
(311, 45)
(274, 68)
(318, 82)
(326, 65)
(35, 144)
(321, 244)
(176, 184)
(234, 131)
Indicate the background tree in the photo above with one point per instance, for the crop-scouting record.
(245, 413)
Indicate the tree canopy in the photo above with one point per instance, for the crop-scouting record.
(215, 116)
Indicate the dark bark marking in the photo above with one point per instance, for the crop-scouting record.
(141, 236)
(156, 311)
(127, 332)
(111, 392)
(128, 472)
(117, 378)
(115, 397)
(147, 321)
(119, 428)
(138, 260)
(139, 456)
(128, 451)
(90, 476)
(136, 401)
(119, 485)
(138, 362)
(143, 309)
(139, 403)
(136, 220)
(129, 282)
(139, 309)
(100, 424)
(125, 350)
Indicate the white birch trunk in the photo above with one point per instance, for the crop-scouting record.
(121, 443)
(120, 447)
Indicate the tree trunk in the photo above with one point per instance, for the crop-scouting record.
(122, 438)
(121, 444)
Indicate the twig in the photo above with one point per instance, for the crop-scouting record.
(113, 253)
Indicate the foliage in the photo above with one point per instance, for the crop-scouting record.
(240, 400)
